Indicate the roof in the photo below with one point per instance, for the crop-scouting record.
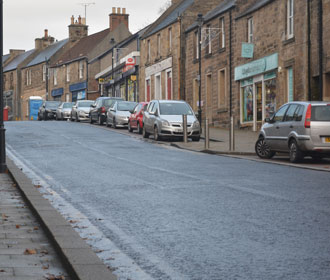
(218, 10)
(258, 4)
(82, 48)
(17, 61)
(47, 53)
(5, 57)
(169, 16)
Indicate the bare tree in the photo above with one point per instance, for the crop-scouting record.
(164, 7)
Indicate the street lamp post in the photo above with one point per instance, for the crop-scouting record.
(200, 24)
(3, 166)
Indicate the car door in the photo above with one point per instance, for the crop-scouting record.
(147, 117)
(272, 130)
(134, 115)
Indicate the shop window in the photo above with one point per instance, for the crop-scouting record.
(290, 84)
(222, 96)
(290, 18)
(222, 33)
(247, 104)
(250, 30)
(270, 98)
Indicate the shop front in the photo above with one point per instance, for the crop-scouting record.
(258, 90)
(78, 91)
(57, 94)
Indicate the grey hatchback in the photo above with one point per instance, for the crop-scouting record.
(298, 128)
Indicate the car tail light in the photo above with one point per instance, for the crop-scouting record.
(103, 110)
(308, 116)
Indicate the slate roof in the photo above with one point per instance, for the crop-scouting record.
(218, 10)
(168, 17)
(5, 57)
(47, 53)
(18, 60)
(84, 46)
(258, 4)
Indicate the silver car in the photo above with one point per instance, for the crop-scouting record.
(298, 128)
(163, 118)
(63, 111)
(119, 113)
(80, 110)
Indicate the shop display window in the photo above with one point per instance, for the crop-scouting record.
(270, 98)
(247, 103)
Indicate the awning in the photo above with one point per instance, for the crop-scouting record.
(77, 87)
(57, 92)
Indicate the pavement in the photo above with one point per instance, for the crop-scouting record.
(36, 242)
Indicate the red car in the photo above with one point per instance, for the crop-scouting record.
(135, 121)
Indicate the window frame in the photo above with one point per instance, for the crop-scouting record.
(290, 19)
(222, 43)
(81, 69)
(250, 29)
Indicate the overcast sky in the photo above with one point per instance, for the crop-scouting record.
(25, 20)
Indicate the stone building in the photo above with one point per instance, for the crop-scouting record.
(162, 66)
(74, 71)
(267, 65)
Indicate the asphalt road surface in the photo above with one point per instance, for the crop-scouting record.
(154, 212)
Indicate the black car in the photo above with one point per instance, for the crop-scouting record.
(99, 109)
(48, 110)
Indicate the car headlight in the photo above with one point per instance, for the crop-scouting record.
(165, 123)
(196, 124)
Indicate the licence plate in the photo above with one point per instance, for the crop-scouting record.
(327, 139)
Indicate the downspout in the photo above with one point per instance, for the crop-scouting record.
(87, 76)
(179, 62)
(320, 50)
(231, 136)
(309, 49)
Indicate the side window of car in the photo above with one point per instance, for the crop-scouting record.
(289, 116)
(151, 107)
(280, 113)
(298, 114)
(154, 108)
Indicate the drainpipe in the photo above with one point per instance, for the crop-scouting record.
(231, 135)
(309, 49)
(87, 78)
(320, 50)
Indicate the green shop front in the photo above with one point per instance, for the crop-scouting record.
(258, 90)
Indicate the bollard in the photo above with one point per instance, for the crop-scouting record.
(184, 124)
(207, 135)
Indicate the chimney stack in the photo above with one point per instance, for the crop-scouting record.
(44, 42)
(117, 17)
(77, 29)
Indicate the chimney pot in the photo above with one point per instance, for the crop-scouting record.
(79, 20)
(113, 10)
(124, 11)
(46, 33)
(118, 11)
(72, 20)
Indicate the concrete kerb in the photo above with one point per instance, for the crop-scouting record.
(60, 231)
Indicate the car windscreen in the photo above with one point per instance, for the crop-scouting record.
(52, 105)
(174, 109)
(320, 113)
(85, 104)
(109, 102)
(67, 105)
(126, 106)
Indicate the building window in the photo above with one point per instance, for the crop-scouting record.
(148, 51)
(208, 38)
(28, 77)
(55, 77)
(68, 73)
(222, 33)
(290, 84)
(250, 30)
(290, 24)
(11, 80)
(81, 70)
(44, 72)
(247, 104)
(170, 40)
(222, 86)
(196, 46)
(158, 46)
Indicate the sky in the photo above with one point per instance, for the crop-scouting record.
(26, 20)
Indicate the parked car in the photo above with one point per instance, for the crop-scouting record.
(119, 112)
(298, 128)
(80, 110)
(63, 111)
(135, 120)
(99, 109)
(48, 110)
(163, 118)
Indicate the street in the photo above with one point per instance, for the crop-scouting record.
(151, 211)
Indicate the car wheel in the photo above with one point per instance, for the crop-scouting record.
(107, 122)
(157, 137)
(196, 138)
(145, 134)
(263, 150)
(114, 123)
(100, 121)
(295, 154)
(45, 117)
(139, 130)
(77, 118)
(129, 127)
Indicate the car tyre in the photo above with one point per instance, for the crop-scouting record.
(295, 153)
(114, 123)
(139, 130)
(107, 122)
(77, 119)
(157, 137)
(45, 117)
(263, 150)
(100, 122)
(145, 134)
(195, 138)
(130, 129)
